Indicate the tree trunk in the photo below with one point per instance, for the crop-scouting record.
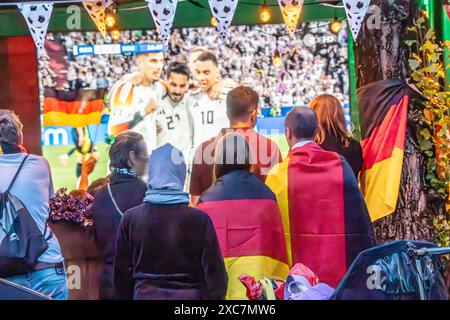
(381, 54)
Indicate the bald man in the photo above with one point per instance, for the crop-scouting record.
(325, 219)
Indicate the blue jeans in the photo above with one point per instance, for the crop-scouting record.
(51, 282)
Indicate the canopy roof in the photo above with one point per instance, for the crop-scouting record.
(134, 14)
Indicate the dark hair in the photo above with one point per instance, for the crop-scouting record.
(119, 153)
(232, 153)
(180, 68)
(208, 56)
(241, 101)
(10, 127)
(303, 122)
(97, 184)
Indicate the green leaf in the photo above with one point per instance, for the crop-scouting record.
(413, 64)
(425, 133)
(425, 145)
(409, 43)
(429, 46)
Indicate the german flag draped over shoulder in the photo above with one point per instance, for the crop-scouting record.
(383, 107)
(248, 224)
(75, 108)
(324, 216)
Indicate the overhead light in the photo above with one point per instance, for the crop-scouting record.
(265, 13)
(213, 22)
(110, 20)
(277, 60)
(335, 25)
(115, 34)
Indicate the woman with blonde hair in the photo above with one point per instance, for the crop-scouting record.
(333, 134)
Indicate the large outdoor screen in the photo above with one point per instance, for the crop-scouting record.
(86, 65)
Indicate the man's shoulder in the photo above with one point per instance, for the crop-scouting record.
(37, 160)
(17, 158)
(206, 144)
(268, 141)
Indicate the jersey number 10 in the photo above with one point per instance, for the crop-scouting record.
(209, 117)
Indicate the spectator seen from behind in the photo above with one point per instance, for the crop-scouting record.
(333, 134)
(246, 217)
(324, 214)
(128, 157)
(167, 250)
(34, 188)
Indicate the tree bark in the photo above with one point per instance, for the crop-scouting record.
(381, 54)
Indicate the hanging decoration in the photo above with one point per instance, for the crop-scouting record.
(223, 12)
(291, 10)
(356, 11)
(163, 13)
(37, 17)
(96, 10)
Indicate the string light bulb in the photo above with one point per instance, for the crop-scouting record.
(115, 34)
(335, 25)
(213, 22)
(265, 14)
(110, 20)
(277, 60)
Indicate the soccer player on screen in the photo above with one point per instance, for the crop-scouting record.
(209, 110)
(174, 123)
(133, 99)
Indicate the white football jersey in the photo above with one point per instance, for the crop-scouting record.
(125, 101)
(174, 124)
(209, 116)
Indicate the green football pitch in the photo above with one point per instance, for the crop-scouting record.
(64, 175)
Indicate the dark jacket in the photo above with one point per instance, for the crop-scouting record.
(168, 252)
(352, 153)
(128, 192)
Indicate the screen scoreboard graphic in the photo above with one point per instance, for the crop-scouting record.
(129, 48)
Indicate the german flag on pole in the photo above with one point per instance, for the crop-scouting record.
(324, 216)
(75, 108)
(383, 107)
(248, 225)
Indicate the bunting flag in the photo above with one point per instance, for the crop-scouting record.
(356, 12)
(291, 10)
(37, 17)
(223, 12)
(323, 212)
(163, 13)
(383, 107)
(96, 10)
(447, 9)
(248, 224)
(76, 108)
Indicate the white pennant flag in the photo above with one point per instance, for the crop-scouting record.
(291, 10)
(356, 12)
(96, 10)
(223, 12)
(37, 17)
(163, 13)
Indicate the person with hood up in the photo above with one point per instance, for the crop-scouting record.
(165, 249)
